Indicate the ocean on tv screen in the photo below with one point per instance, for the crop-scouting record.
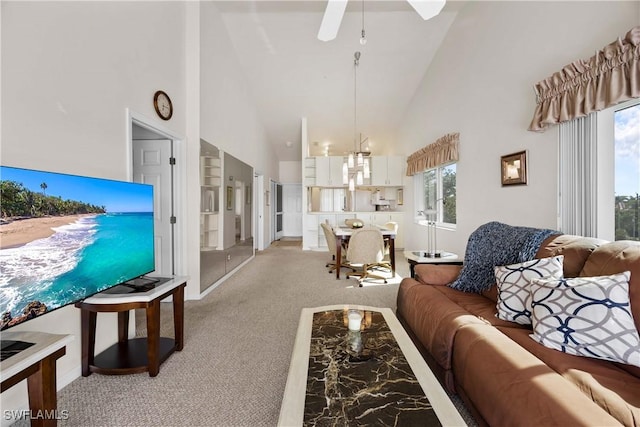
(75, 236)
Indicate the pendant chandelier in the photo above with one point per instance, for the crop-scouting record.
(357, 168)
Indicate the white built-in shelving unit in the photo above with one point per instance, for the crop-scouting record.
(210, 184)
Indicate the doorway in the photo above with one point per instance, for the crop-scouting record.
(292, 210)
(240, 212)
(277, 206)
(152, 161)
(152, 165)
(258, 202)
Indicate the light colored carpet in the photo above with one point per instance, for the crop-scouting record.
(238, 343)
(287, 243)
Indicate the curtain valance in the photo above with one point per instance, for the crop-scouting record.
(444, 150)
(609, 77)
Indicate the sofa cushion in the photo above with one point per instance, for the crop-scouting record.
(478, 305)
(514, 283)
(586, 316)
(612, 388)
(491, 293)
(509, 386)
(616, 257)
(494, 244)
(576, 251)
(437, 274)
(433, 318)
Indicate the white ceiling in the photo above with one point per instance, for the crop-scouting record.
(294, 75)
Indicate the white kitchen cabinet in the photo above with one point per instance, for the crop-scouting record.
(340, 219)
(311, 232)
(329, 171)
(366, 217)
(387, 170)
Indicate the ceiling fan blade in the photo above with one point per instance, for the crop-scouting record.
(331, 20)
(427, 9)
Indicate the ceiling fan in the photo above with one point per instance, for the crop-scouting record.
(334, 12)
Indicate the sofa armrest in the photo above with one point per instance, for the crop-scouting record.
(440, 275)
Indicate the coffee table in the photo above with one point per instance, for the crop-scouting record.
(374, 376)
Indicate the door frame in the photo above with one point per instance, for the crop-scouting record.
(258, 211)
(179, 182)
(275, 233)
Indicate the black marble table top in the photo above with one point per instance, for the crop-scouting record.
(359, 378)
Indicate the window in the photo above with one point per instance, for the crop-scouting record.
(627, 173)
(437, 200)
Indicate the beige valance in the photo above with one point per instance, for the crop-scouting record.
(444, 150)
(609, 77)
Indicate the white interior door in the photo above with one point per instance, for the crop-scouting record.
(152, 165)
(292, 210)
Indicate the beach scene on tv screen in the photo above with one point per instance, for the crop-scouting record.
(66, 237)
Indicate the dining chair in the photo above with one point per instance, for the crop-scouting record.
(366, 251)
(330, 236)
(393, 226)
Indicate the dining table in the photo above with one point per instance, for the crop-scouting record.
(343, 234)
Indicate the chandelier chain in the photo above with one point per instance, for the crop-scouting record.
(355, 99)
(363, 36)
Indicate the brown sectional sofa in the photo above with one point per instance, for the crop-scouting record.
(505, 377)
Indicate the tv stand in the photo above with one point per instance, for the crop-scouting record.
(130, 356)
(36, 364)
(10, 348)
(139, 284)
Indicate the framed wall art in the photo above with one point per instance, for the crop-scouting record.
(229, 197)
(513, 168)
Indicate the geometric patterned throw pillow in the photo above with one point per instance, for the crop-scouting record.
(586, 316)
(514, 286)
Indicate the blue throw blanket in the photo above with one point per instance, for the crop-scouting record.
(494, 244)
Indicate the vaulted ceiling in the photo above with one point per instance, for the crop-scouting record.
(293, 75)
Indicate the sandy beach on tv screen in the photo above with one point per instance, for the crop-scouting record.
(21, 232)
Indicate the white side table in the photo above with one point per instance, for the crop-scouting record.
(38, 365)
(141, 354)
(419, 257)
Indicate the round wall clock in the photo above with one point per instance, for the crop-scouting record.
(162, 104)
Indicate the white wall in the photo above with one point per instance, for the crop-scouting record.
(290, 172)
(481, 84)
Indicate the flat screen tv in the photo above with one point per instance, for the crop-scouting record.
(64, 238)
